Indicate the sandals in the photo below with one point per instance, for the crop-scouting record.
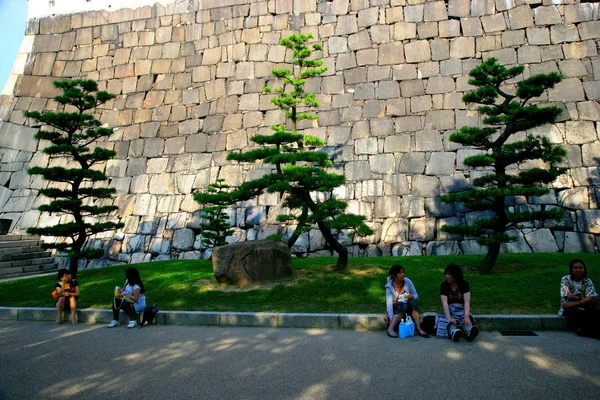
(424, 335)
(58, 323)
(75, 322)
(392, 336)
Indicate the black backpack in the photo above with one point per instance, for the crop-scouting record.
(149, 315)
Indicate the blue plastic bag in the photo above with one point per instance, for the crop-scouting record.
(407, 328)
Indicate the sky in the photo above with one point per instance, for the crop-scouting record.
(13, 17)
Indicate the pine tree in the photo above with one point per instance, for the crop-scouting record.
(299, 168)
(74, 190)
(215, 225)
(505, 115)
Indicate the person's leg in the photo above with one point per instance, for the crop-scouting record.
(393, 328)
(115, 308)
(129, 310)
(60, 305)
(399, 313)
(577, 318)
(73, 306)
(454, 331)
(586, 321)
(470, 331)
(417, 320)
(413, 309)
(595, 322)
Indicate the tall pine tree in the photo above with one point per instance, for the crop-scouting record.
(299, 169)
(73, 190)
(506, 112)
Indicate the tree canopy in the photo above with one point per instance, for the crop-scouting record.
(73, 188)
(506, 112)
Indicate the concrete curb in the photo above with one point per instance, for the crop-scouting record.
(283, 320)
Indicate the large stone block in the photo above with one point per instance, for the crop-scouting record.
(588, 221)
(252, 262)
(391, 53)
(422, 229)
(183, 239)
(577, 242)
(542, 241)
(580, 132)
(382, 164)
(17, 137)
(520, 17)
(462, 47)
(412, 163)
(418, 51)
(444, 248)
(435, 11)
(547, 16)
(440, 84)
(441, 163)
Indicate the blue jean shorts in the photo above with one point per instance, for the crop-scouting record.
(407, 307)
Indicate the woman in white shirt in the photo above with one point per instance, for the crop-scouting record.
(131, 299)
(579, 300)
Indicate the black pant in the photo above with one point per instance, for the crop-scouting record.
(126, 307)
(587, 318)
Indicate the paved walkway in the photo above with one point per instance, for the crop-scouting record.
(41, 361)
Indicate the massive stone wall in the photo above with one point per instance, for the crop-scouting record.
(189, 82)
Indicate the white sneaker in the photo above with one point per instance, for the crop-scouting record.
(131, 324)
(113, 324)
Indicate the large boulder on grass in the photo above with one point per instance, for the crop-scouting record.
(252, 262)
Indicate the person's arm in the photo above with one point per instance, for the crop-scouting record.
(590, 292)
(447, 309)
(389, 302)
(410, 290)
(59, 290)
(574, 300)
(467, 318)
(136, 294)
(565, 292)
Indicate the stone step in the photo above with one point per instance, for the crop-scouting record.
(19, 250)
(23, 263)
(13, 238)
(25, 242)
(25, 256)
(30, 270)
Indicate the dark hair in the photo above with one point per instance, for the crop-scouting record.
(133, 278)
(454, 271)
(575, 261)
(62, 272)
(395, 269)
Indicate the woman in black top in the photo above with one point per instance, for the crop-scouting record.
(455, 293)
(66, 294)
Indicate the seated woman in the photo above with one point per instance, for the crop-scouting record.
(131, 299)
(455, 293)
(66, 294)
(401, 299)
(578, 300)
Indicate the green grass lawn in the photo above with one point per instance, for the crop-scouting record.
(520, 284)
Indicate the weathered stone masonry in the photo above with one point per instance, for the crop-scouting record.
(189, 80)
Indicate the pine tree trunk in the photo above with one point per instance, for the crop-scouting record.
(301, 221)
(342, 261)
(73, 264)
(489, 261)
